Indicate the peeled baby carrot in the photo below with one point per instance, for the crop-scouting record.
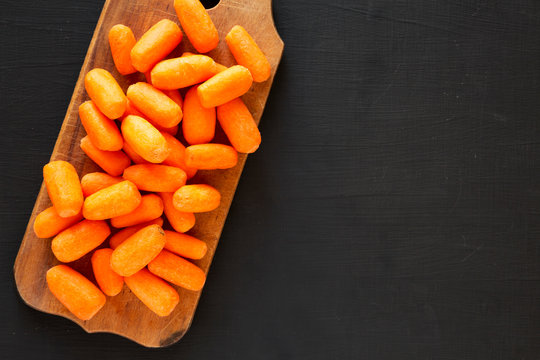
(211, 156)
(131, 109)
(176, 155)
(150, 208)
(180, 221)
(237, 122)
(219, 67)
(185, 245)
(64, 187)
(82, 298)
(197, 24)
(182, 72)
(115, 200)
(48, 223)
(138, 250)
(152, 177)
(176, 97)
(101, 130)
(136, 158)
(247, 53)
(93, 182)
(122, 40)
(109, 282)
(125, 233)
(187, 53)
(78, 240)
(154, 104)
(196, 198)
(199, 123)
(178, 271)
(113, 162)
(225, 86)
(155, 44)
(145, 139)
(105, 93)
(155, 293)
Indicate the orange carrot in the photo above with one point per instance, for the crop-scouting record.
(105, 93)
(150, 208)
(178, 271)
(185, 245)
(211, 156)
(247, 53)
(196, 198)
(219, 67)
(199, 122)
(225, 86)
(145, 139)
(109, 282)
(122, 40)
(155, 44)
(125, 233)
(48, 223)
(82, 298)
(197, 24)
(78, 240)
(154, 104)
(64, 187)
(138, 250)
(152, 177)
(131, 109)
(155, 293)
(136, 158)
(187, 53)
(176, 97)
(237, 122)
(113, 162)
(176, 156)
(93, 182)
(115, 200)
(182, 72)
(101, 130)
(179, 220)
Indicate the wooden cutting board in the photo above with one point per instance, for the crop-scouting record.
(124, 314)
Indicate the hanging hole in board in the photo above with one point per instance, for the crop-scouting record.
(208, 4)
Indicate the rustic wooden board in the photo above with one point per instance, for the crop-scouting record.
(124, 314)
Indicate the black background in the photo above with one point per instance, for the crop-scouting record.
(392, 212)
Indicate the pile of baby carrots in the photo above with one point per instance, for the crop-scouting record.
(132, 137)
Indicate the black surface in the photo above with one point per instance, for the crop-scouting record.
(392, 212)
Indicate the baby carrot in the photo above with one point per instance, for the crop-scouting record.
(154, 104)
(182, 72)
(185, 245)
(176, 155)
(131, 109)
(197, 24)
(199, 122)
(113, 162)
(247, 53)
(155, 44)
(219, 67)
(78, 240)
(145, 139)
(125, 233)
(187, 53)
(155, 293)
(48, 223)
(101, 130)
(178, 271)
(176, 97)
(93, 182)
(138, 250)
(150, 208)
(180, 221)
(196, 198)
(152, 177)
(211, 156)
(64, 187)
(109, 282)
(105, 93)
(225, 86)
(115, 200)
(82, 298)
(136, 158)
(237, 122)
(122, 40)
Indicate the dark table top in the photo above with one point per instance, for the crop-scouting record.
(392, 212)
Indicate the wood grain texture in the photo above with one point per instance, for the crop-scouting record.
(124, 314)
